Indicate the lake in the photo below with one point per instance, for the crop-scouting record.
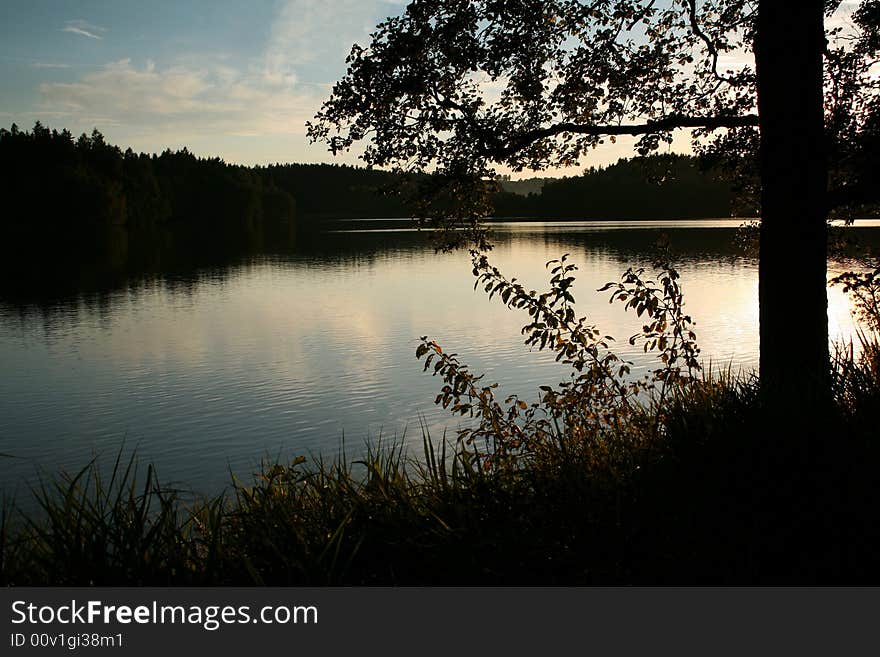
(209, 368)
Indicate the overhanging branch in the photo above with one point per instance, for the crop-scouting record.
(665, 124)
(710, 45)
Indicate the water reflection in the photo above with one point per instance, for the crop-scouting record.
(209, 364)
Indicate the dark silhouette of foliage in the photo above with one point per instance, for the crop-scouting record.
(95, 185)
(655, 187)
(696, 484)
(76, 187)
(80, 215)
(330, 191)
(461, 88)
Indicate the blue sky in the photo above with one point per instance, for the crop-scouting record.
(229, 78)
(233, 78)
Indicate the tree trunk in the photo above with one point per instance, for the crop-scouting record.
(789, 48)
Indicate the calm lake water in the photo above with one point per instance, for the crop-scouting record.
(206, 370)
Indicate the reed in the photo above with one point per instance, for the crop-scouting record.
(716, 495)
(684, 476)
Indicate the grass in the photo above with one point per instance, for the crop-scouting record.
(729, 490)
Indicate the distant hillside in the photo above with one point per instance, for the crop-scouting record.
(85, 183)
(55, 184)
(332, 191)
(523, 187)
(655, 187)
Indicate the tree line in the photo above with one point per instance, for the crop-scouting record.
(54, 182)
(654, 187)
(51, 179)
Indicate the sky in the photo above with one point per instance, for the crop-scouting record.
(222, 77)
(225, 77)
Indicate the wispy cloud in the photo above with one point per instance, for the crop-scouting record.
(262, 102)
(213, 99)
(265, 96)
(49, 65)
(309, 34)
(84, 28)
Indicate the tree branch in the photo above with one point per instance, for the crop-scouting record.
(710, 45)
(665, 124)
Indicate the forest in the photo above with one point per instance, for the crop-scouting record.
(52, 179)
(54, 182)
(666, 186)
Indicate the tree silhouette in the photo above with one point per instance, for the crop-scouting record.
(82, 186)
(664, 186)
(462, 86)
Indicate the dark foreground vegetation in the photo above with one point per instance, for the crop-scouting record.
(682, 476)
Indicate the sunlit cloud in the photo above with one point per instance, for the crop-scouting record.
(212, 99)
(248, 110)
(83, 28)
(190, 97)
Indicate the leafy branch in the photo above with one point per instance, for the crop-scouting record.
(600, 395)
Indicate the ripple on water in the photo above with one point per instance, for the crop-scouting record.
(285, 355)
